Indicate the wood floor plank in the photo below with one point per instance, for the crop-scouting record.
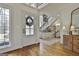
(32, 50)
(47, 50)
(57, 50)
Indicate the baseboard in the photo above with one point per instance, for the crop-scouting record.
(21, 47)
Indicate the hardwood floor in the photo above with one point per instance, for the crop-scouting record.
(56, 50)
(32, 50)
(46, 50)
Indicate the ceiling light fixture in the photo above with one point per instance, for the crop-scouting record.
(37, 5)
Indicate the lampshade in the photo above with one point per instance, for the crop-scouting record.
(64, 27)
(72, 28)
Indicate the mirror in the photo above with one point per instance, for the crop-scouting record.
(74, 28)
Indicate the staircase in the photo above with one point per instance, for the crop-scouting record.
(51, 20)
(45, 33)
(46, 25)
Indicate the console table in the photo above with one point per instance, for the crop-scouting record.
(71, 42)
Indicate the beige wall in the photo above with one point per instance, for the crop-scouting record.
(64, 10)
(17, 23)
(18, 39)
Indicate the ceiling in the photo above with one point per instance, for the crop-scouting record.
(55, 8)
(37, 5)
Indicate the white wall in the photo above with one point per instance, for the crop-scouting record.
(18, 39)
(17, 23)
(64, 10)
